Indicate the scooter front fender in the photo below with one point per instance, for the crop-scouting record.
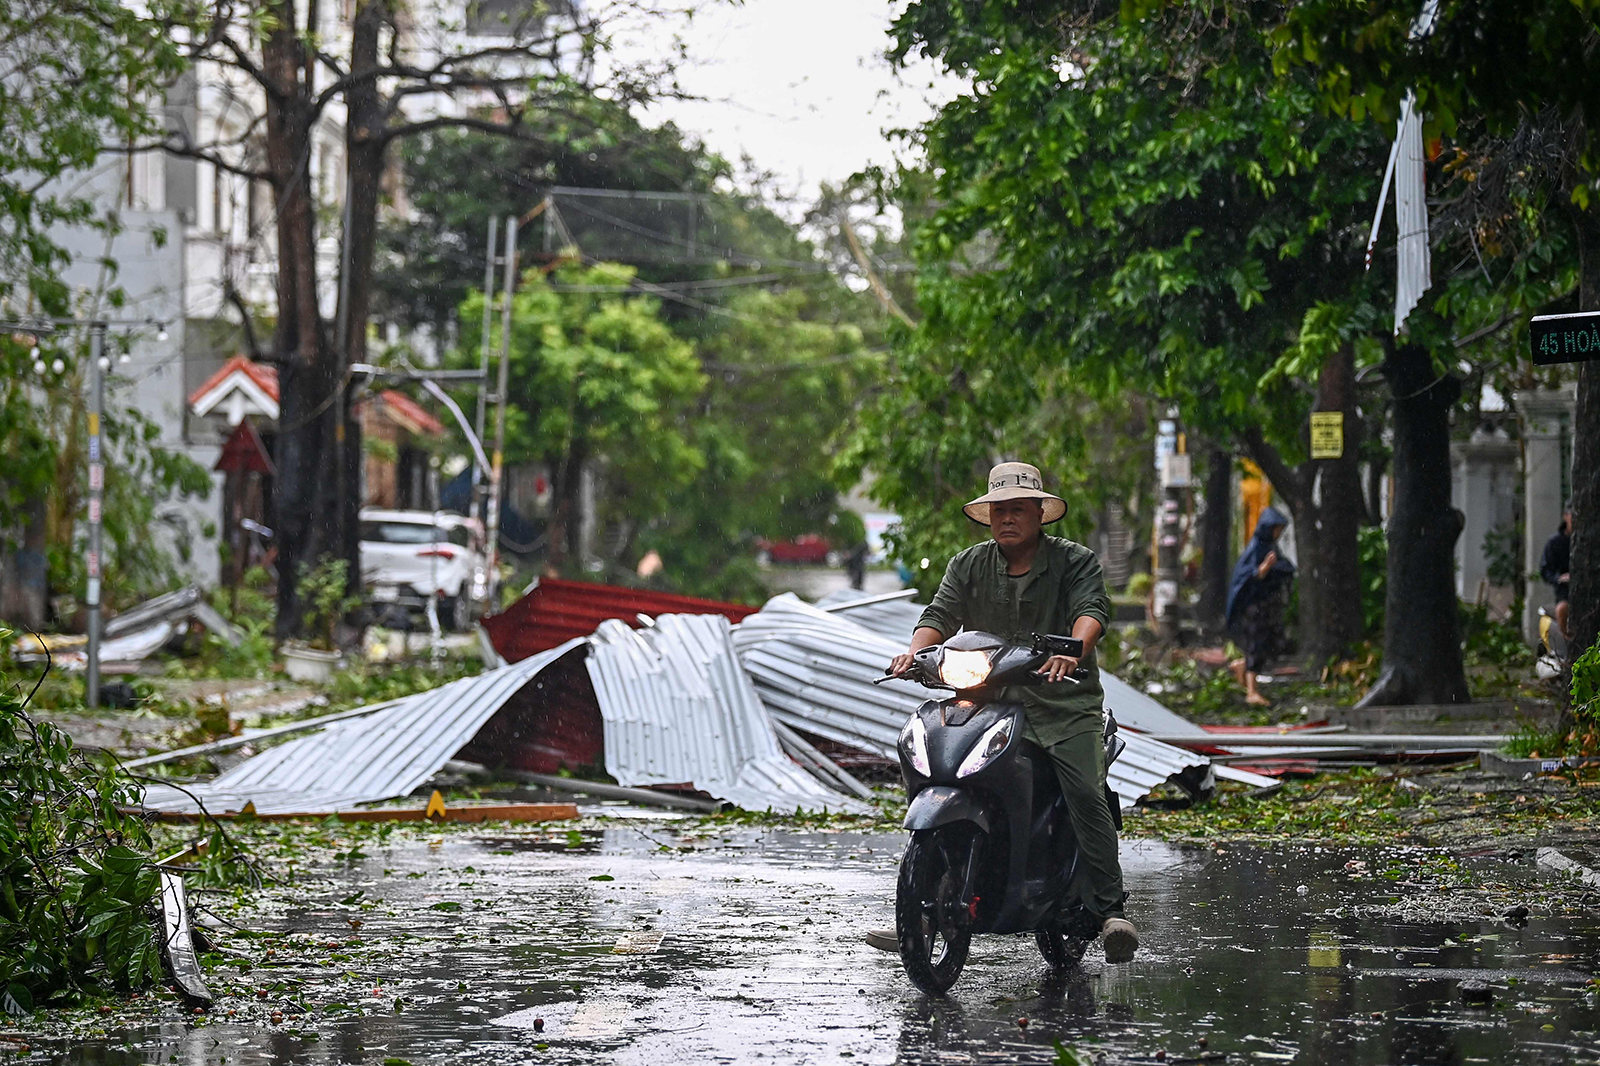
(938, 805)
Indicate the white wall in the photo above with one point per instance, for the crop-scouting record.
(149, 258)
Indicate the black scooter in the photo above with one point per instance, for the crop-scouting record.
(992, 848)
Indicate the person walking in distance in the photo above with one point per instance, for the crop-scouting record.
(1257, 596)
(1555, 567)
(1020, 582)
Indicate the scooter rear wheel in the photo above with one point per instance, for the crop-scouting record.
(1061, 952)
(930, 915)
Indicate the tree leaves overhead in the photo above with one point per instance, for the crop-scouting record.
(1124, 206)
(79, 74)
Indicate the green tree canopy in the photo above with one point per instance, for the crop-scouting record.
(1124, 206)
(595, 376)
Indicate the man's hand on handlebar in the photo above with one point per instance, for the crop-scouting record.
(1058, 667)
(900, 664)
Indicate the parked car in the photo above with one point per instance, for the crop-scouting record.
(808, 549)
(408, 557)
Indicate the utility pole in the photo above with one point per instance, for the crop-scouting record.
(503, 386)
(99, 363)
(97, 484)
(483, 363)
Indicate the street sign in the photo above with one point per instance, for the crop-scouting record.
(1177, 471)
(1327, 434)
(1565, 338)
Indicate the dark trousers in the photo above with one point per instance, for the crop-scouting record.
(1080, 765)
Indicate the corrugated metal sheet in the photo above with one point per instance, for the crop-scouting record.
(814, 671)
(361, 760)
(1413, 267)
(892, 618)
(679, 709)
(556, 610)
(896, 619)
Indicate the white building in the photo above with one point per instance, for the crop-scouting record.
(197, 240)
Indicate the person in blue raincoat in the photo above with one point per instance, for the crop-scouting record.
(1257, 596)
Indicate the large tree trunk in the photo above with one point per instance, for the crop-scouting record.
(1585, 588)
(365, 145)
(1324, 495)
(308, 374)
(1422, 627)
(1330, 575)
(1216, 525)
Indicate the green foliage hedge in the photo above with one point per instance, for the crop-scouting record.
(77, 884)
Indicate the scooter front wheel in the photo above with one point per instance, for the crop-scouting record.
(931, 917)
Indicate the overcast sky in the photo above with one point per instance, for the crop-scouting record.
(800, 86)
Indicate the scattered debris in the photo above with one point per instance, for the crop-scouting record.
(1345, 743)
(814, 669)
(553, 611)
(378, 755)
(599, 789)
(1551, 859)
(1495, 763)
(177, 941)
(476, 812)
(132, 635)
(679, 708)
(251, 736)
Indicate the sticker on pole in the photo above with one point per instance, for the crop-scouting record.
(1565, 338)
(1327, 434)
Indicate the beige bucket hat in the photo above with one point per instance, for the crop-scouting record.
(1015, 481)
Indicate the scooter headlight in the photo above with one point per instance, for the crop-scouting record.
(992, 743)
(914, 742)
(965, 669)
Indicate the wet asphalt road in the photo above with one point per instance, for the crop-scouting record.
(747, 949)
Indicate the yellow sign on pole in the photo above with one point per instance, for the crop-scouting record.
(1327, 434)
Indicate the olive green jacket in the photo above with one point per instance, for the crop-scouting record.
(1064, 584)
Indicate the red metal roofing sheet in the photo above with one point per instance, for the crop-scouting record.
(557, 610)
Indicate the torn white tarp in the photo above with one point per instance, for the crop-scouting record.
(678, 709)
(362, 760)
(814, 670)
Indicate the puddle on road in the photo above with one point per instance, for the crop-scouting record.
(624, 949)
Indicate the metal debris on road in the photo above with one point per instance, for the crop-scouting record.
(133, 635)
(379, 756)
(680, 709)
(814, 668)
(469, 813)
(177, 941)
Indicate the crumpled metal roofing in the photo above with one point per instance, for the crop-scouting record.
(893, 616)
(814, 671)
(679, 709)
(361, 760)
(897, 618)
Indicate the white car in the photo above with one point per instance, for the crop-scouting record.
(408, 557)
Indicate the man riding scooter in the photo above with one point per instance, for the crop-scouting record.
(1020, 583)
